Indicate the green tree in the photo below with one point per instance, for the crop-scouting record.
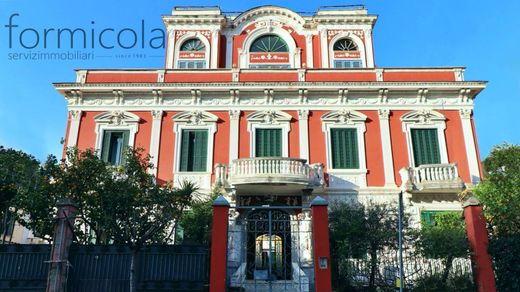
(196, 222)
(445, 240)
(357, 232)
(116, 204)
(499, 193)
(18, 175)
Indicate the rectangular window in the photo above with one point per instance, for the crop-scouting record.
(114, 144)
(268, 142)
(341, 64)
(344, 148)
(194, 150)
(428, 217)
(425, 145)
(195, 64)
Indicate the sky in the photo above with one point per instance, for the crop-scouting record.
(483, 36)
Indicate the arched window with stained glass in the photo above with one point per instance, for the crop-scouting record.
(192, 54)
(269, 51)
(346, 54)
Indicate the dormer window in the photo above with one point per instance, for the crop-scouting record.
(269, 52)
(346, 54)
(192, 55)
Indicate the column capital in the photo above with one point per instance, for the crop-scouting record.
(157, 114)
(383, 114)
(303, 114)
(234, 114)
(465, 113)
(75, 114)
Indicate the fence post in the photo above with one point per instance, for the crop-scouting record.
(219, 236)
(62, 240)
(478, 242)
(320, 239)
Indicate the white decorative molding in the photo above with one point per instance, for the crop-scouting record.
(346, 178)
(303, 123)
(194, 120)
(155, 139)
(234, 130)
(269, 119)
(369, 48)
(425, 119)
(324, 49)
(310, 51)
(116, 120)
(386, 144)
(469, 140)
(214, 48)
(75, 119)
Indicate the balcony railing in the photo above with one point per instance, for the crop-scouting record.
(431, 178)
(259, 170)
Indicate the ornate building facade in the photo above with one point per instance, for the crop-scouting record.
(276, 108)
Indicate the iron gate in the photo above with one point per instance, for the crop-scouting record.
(271, 248)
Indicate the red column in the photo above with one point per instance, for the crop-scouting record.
(478, 242)
(218, 269)
(61, 242)
(320, 238)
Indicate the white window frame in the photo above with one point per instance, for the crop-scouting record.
(195, 120)
(185, 37)
(269, 120)
(425, 119)
(115, 121)
(336, 120)
(294, 52)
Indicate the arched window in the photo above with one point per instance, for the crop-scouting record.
(346, 54)
(269, 51)
(269, 43)
(192, 54)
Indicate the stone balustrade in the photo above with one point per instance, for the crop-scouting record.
(269, 170)
(431, 178)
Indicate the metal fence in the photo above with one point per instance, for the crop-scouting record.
(107, 268)
(24, 267)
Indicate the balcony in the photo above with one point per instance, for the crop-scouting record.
(431, 178)
(286, 174)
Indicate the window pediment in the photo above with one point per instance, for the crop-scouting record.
(269, 117)
(195, 118)
(117, 118)
(344, 117)
(423, 117)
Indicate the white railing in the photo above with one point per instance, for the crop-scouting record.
(431, 176)
(269, 169)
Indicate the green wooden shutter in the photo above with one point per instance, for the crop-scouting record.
(126, 141)
(344, 149)
(200, 150)
(425, 145)
(105, 148)
(194, 150)
(268, 142)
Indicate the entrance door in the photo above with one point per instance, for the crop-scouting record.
(268, 245)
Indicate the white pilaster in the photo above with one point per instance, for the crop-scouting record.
(214, 48)
(310, 51)
(303, 123)
(229, 51)
(324, 49)
(75, 118)
(170, 54)
(386, 143)
(155, 138)
(234, 116)
(369, 49)
(467, 130)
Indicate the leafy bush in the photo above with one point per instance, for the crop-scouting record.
(435, 283)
